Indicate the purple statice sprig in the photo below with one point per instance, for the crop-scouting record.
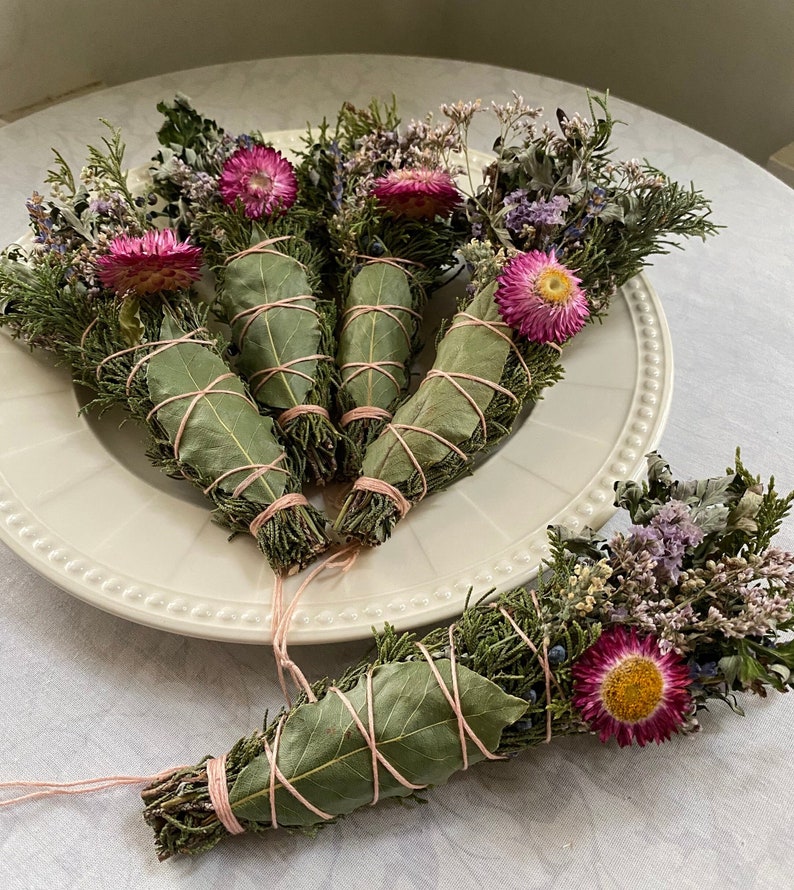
(525, 216)
(85, 212)
(696, 570)
(420, 144)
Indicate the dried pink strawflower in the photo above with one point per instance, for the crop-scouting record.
(541, 299)
(625, 687)
(153, 263)
(417, 192)
(262, 178)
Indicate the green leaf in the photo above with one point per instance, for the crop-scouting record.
(709, 492)
(184, 128)
(323, 754)
(130, 321)
(276, 336)
(730, 665)
(373, 337)
(222, 432)
(743, 516)
(438, 406)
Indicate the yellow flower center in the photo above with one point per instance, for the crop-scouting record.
(555, 286)
(632, 690)
(260, 180)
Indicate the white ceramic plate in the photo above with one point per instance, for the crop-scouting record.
(80, 504)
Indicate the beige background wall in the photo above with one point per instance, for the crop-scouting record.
(725, 67)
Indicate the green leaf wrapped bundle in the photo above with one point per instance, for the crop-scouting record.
(545, 197)
(377, 341)
(616, 641)
(421, 711)
(481, 378)
(203, 425)
(284, 339)
(268, 275)
(148, 351)
(385, 199)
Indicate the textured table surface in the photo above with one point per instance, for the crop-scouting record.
(88, 694)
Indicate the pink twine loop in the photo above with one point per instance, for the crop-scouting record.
(343, 559)
(257, 471)
(264, 247)
(160, 346)
(542, 656)
(453, 699)
(452, 378)
(86, 332)
(394, 428)
(388, 309)
(365, 412)
(496, 327)
(369, 483)
(219, 794)
(276, 773)
(362, 367)
(266, 374)
(295, 499)
(255, 312)
(395, 261)
(368, 734)
(291, 413)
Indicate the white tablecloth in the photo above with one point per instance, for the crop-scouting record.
(87, 694)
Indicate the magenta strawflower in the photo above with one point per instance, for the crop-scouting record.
(541, 299)
(156, 262)
(417, 192)
(262, 178)
(625, 687)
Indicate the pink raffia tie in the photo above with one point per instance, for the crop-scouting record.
(156, 346)
(344, 560)
(219, 794)
(276, 773)
(85, 786)
(453, 377)
(294, 499)
(388, 309)
(465, 319)
(370, 483)
(264, 247)
(266, 374)
(378, 486)
(256, 472)
(368, 734)
(286, 417)
(364, 413)
(255, 312)
(453, 699)
(542, 656)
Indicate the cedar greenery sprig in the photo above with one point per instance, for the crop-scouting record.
(580, 601)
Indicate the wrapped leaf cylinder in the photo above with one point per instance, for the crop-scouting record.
(284, 337)
(627, 638)
(480, 380)
(377, 340)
